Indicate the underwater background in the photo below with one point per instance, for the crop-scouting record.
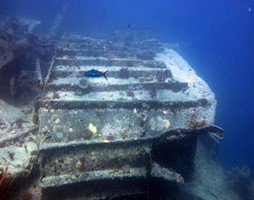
(215, 37)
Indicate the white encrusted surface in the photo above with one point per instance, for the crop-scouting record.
(197, 87)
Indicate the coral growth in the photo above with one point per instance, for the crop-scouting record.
(194, 123)
(111, 132)
(146, 55)
(32, 193)
(110, 56)
(166, 123)
(91, 127)
(124, 73)
(80, 165)
(8, 186)
(87, 134)
(4, 174)
(241, 183)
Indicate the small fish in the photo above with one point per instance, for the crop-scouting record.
(129, 25)
(95, 73)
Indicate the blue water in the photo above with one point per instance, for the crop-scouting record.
(215, 37)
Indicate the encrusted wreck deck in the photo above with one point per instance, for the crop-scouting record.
(141, 122)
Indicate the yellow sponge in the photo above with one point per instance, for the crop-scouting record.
(92, 128)
(166, 123)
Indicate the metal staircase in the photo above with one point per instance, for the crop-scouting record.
(103, 138)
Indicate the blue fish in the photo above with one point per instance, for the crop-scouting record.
(95, 73)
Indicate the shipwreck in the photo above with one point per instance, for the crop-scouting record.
(68, 136)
